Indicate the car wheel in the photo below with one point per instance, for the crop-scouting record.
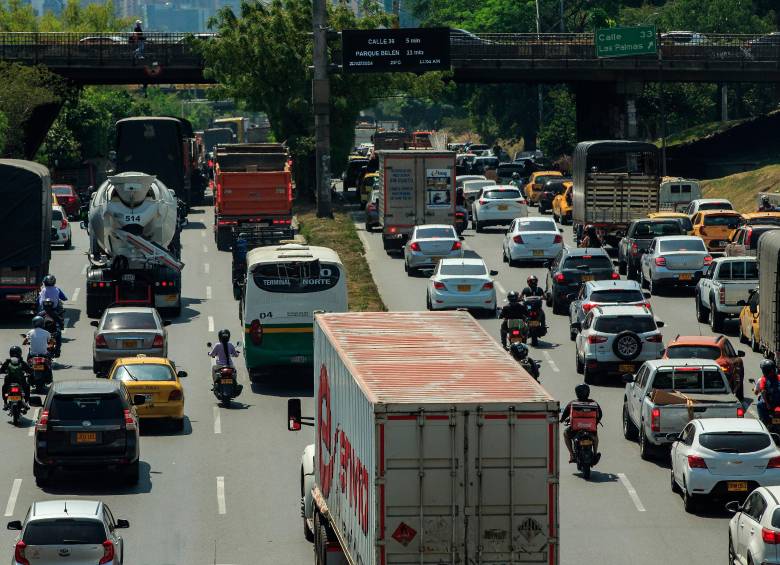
(645, 448)
(674, 485)
(742, 338)
(716, 319)
(632, 273)
(689, 502)
(557, 308)
(753, 342)
(622, 267)
(478, 226)
(629, 429)
(589, 376)
(178, 424)
(627, 345)
(579, 365)
(504, 257)
(732, 553)
(702, 315)
(652, 287)
(41, 474)
(67, 245)
(565, 220)
(428, 303)
(572, 335)
(320, 541)
(132, 473)
(555, 216)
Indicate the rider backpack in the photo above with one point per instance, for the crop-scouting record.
(584, 416)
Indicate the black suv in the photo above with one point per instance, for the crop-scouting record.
(570, 269)
(87, 424)
(638, 238)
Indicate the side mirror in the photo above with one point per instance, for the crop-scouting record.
(181, 374)
(673, 437)
(628, 378)
(238, 343)
(460, 237)
(560, 230)
(571, 296)
(577, 326)
(660, 323)
(740, 353)
(294, 414)
(14, 525)
(166, 322)
(36, 401)
(752, 381)
(493, 273)
(208, 344)
(122, 524)
(94, 323)
(734, 506)
(741, 303)
(647, 295)
(139, 399)
(547, 264)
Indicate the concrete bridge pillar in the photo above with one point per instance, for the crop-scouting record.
(606, 110)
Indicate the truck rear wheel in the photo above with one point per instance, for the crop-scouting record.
(93, 308)
(320, 540)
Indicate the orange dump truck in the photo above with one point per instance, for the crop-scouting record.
(253, 193)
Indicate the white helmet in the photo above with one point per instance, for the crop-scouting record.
(138, 22)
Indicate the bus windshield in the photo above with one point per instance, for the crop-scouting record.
(296, 276)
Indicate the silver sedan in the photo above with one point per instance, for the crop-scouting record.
(674, 260)
(126, 332)
(430, 244)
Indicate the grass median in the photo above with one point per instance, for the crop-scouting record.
(340, 235)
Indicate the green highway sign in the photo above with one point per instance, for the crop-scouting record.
(626, 41)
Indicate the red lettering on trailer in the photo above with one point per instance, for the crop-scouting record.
(325, 440)
(353, 479)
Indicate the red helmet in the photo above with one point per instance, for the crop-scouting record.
(532, 280)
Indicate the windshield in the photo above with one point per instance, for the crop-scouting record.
(649, 230)
(617, 296)
(725, 220)
(501, 194)
(771, 220)
(434, 233)
(296, 276)
(689, 379)
(536, 225)
(462, 270)
(144, 372)
(62, 190)
(682, 245)
(735, 442)
(86, 407)
(692, 352)
(587, 262)
(738, 270)
(725, 205)
(65, 531)
(56, 215)
(130, 321)
(617, 324)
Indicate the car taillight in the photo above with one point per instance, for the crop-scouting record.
(634, 249)
(518, 239)
(774, 463)
(558, 239)
(256, 332)
(108, 552)
(771, 537)
(175, 395)
(696, 462)
(559, 278)
(655, 420)
(748, 237)
(100, 341)
(438, 285)
(43, 421)
(533, 314)
(646, 305)
(587, 307)
(414, 246)
(707, 260)
(521, 201)
(158, 341)
(456, 245)
(19, 553)
(660, 261)
(722, 295)
(129, 422)
(615, 276)
(63, 224)
(740, 412)
(654, 338)
(515, 332)
(487, 286)
(596, 339)
(15, 390)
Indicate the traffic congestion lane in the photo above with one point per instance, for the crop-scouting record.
(181, 512)
(636, 512)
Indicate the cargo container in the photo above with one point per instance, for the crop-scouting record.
(431, 445)
(768, 329)
(416, 187)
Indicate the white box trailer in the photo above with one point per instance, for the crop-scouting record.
(432, 445)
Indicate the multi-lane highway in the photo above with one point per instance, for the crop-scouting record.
(226, 490)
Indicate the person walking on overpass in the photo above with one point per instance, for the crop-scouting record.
(138, 39)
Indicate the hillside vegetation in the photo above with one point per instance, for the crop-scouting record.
(742, 188)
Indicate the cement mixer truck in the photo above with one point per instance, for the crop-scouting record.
(134, 249)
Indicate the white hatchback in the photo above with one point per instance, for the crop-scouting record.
(428, 245)
(722, 458)
(754, 530)
(462, 283)
(498, 206)
(532, 239)
(60, 228)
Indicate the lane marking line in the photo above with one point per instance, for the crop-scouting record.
(76, 294)
(631, 492)
(220, 495)
(217, 420)
(211, 324)
(208, 293)
(364, 239)
(549, 358)
(9, 508)
(206, 268)
(84, 270)
(34, 417)
(202, 233)
(205, 249)
(500, 288)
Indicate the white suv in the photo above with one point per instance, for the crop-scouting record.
(498, 206)
(616, 339)
(754, 531)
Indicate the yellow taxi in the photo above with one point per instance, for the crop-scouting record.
(715, 227)
(367, 184)
(684, 219)
(535, 183)
(749, 319)
(157, 379)
(562, 205)
(762, 218)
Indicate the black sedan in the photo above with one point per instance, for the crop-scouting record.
(570, 269)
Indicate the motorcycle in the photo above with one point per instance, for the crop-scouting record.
(16, 405)
(583, 422)
(531, 366)
(225, 386)
(772, 422)
(517, 332)
(53, 326)
(40, 365)
(537, 326)
(461, 221)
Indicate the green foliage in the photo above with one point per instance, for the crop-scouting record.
(558, 135)
(713, 16)
(16, 15)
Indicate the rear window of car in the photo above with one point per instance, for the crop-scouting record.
(617, 324)
(130, 321)
(735, 442)
(649, 230)
(682, 245)
(694, 380)
(65, 531)
(616, 296)
(692, 352)
(432, 233)
(86, 407)
(715, 206)
(723, 221)
(463, 270)
(56, 216)
(488, 161)
(544, 178)
(536, 225)
(738, 270)
(586, 262)
(144, 372)
(502, 194)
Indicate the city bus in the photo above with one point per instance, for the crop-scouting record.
(284, 286)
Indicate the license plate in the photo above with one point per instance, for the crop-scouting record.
(737, 486)
(464, 287)
(586, 278)
(538, 253)
(503, 207)
(38, 367)
(149, 397)
(775, 420)
(14, 398)
(686, 277)
(227, 381)
(586, 442)
(86, 437)
(534, 324)
(128, 277)
(298, 359)
(130, 344)
(627, 367)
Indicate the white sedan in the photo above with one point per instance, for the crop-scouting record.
(60, 228)
(723, 458)
(532, 239)
(462, 283)
(428, 245)
(498, 206)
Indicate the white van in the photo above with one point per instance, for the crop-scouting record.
(677, 193)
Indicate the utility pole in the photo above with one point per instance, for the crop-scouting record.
(321, 103)
(539, 85)
(563, 27)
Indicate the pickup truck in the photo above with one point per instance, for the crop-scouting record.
(637, 240)
(727, 282)
(666, 394)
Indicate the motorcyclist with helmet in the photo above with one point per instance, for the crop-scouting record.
(516, 182)
(514, 310)
(222, 352)
(16, 372)
(52, 323)
(38, 339)
(51, 291)
(582, 391)
(766, 205)
(767, 391)
(533, 287)
(591, 238)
